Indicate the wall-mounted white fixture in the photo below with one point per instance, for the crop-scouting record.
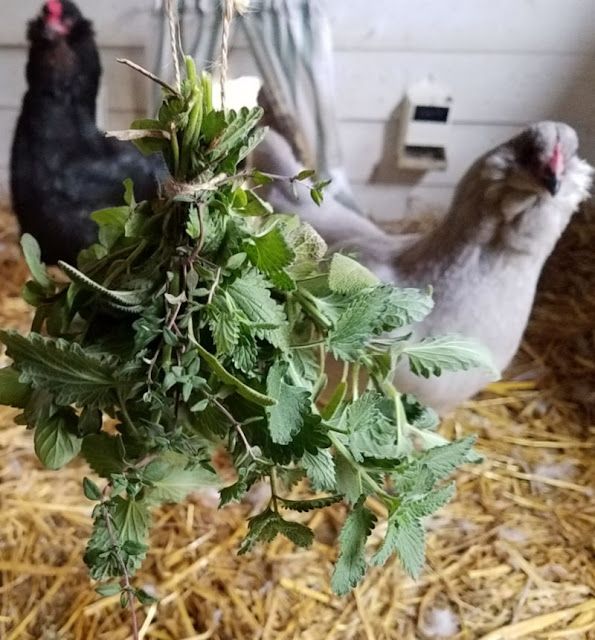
(424, 127)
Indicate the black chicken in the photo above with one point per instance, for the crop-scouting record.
(62, 166)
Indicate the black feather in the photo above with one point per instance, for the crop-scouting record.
(62, 166)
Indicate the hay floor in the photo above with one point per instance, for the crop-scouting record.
(511, 557)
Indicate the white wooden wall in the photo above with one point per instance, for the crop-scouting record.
(507, 62)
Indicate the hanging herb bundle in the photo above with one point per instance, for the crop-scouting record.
(202, 320)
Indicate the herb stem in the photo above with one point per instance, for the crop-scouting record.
(237, 426)
(273, 480)
(127, 418)
(125, 576)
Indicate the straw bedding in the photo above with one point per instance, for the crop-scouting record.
(511, 557)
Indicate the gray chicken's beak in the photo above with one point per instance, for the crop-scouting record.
(552, 183)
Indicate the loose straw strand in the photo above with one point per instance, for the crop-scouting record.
(172, 14)
(228, 13)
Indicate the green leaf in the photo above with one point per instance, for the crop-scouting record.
(61, 368)
(32, 254)
(91, 490)
(299, 534)
(270, 253)
(371, 433)
(255, 206)
(348, 276)
(261, 528)
(308, 246)
(310, 505)
(224, 325)
(407, 306)
(286, 418)
(320, 469)
(193, 223)
(55, 444)
(251, 295)
(109, 589)
(122, 299)
(361, 320)
(431, 356)
(104, 454)
(267, 525)
(431, 502)
(443, 460)
(129, 525)
(244, 390)
(145, 598)
(348, 479)
(316, 196)
(13, 393)
(351, 564)
(113, 217)
(175, 480)
(407, 539)
(304, 174)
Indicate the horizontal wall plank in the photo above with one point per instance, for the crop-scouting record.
(385, 25)
(116, 23)
(125, 89)
(486, 88)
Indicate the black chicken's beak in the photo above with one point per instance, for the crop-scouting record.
(551, 182)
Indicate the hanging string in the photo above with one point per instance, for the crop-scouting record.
(172, 16)
(229, 7)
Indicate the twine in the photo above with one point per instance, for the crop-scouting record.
(228, 13)
(172, 15)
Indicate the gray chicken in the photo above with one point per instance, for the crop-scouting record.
(483, 260)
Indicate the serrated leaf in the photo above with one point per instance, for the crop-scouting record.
(310, 505)
(13, 393)
(442, 460)
(351, 564)
(120, 299)
(348, 479)
(299, 534)
(32, 254)
(270, 253)
(320, 469)
(193, 223)
(261, 528)
(431, 502)
(104, 454)
(224, 326)
(408, 541)
(431, 356)
(370, 432)
(129, 523)
(251, 295)
(362, 319)
(309, 248)
(286, 418)
(245, 354)
(61, 368)
(348, 276)
(407, 306)
(55, 444)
